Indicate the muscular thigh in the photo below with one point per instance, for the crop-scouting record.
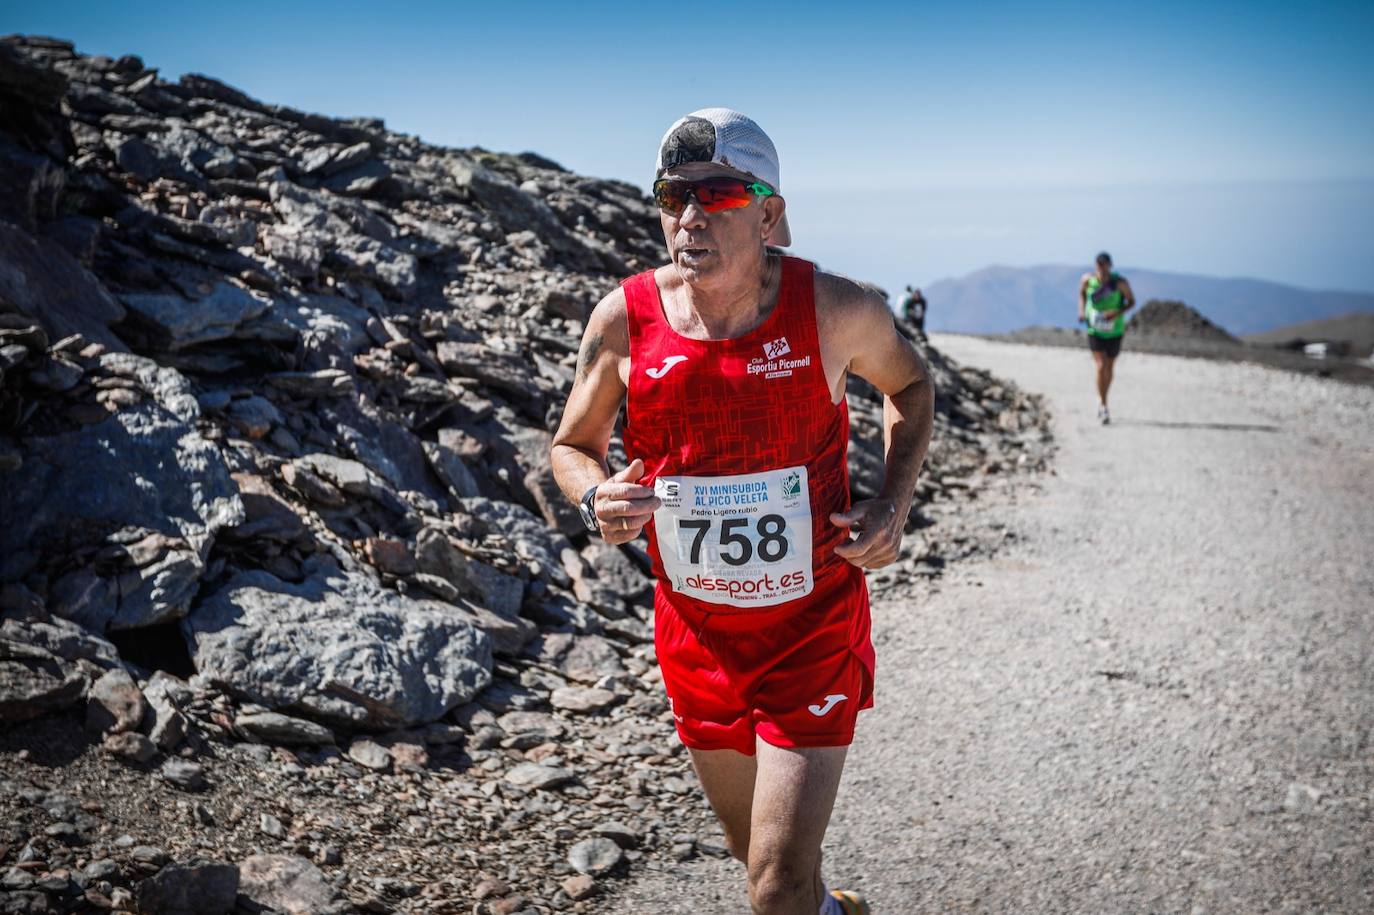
(794, 792)
(727, 777)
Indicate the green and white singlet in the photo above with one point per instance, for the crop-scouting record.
(1103, 298)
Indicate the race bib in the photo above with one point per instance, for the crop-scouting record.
(1103, 323)
(743, 540)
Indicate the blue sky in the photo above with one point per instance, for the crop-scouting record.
(917, 140)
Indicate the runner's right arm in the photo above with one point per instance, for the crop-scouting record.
(858, 334)
(579, 447)
(1082, 298)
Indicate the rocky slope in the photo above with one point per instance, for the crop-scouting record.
(294, 618)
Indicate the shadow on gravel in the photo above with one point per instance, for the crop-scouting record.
(53, 740)
(1227, 427)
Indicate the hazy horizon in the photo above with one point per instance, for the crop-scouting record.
(916, 143)
(1321, 231)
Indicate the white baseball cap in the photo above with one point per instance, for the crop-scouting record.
(728, 138)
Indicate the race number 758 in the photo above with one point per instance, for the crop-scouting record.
(769, 538)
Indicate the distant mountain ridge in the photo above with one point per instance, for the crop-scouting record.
(1002, 299)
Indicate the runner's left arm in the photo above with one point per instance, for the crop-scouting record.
(887, 360)
(1127, 295)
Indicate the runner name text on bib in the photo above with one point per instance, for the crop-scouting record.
(743, 539)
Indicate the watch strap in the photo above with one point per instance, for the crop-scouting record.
(588, 510)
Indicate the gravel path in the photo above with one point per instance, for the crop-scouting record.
(1157, 698)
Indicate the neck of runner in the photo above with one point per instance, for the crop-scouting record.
(732, 312)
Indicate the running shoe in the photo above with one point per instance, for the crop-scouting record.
(1103, 416)
(851, 903)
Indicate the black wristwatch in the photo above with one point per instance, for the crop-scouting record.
(587, 508)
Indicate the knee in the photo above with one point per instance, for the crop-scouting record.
(780, 885)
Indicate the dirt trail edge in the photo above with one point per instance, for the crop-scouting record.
(1157, 698)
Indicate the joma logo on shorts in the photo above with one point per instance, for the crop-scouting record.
(832, 700)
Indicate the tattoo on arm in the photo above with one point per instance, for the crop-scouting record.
(591, 348)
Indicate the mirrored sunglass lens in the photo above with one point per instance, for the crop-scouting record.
(671, 196)
(722, 194)
(714, 194)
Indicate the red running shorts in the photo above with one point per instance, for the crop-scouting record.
(793, 678)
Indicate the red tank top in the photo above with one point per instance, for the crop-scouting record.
(744, 446)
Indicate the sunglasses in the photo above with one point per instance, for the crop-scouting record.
(713, 194)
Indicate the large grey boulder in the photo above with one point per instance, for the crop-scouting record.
(143, 480)
(337, 647)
